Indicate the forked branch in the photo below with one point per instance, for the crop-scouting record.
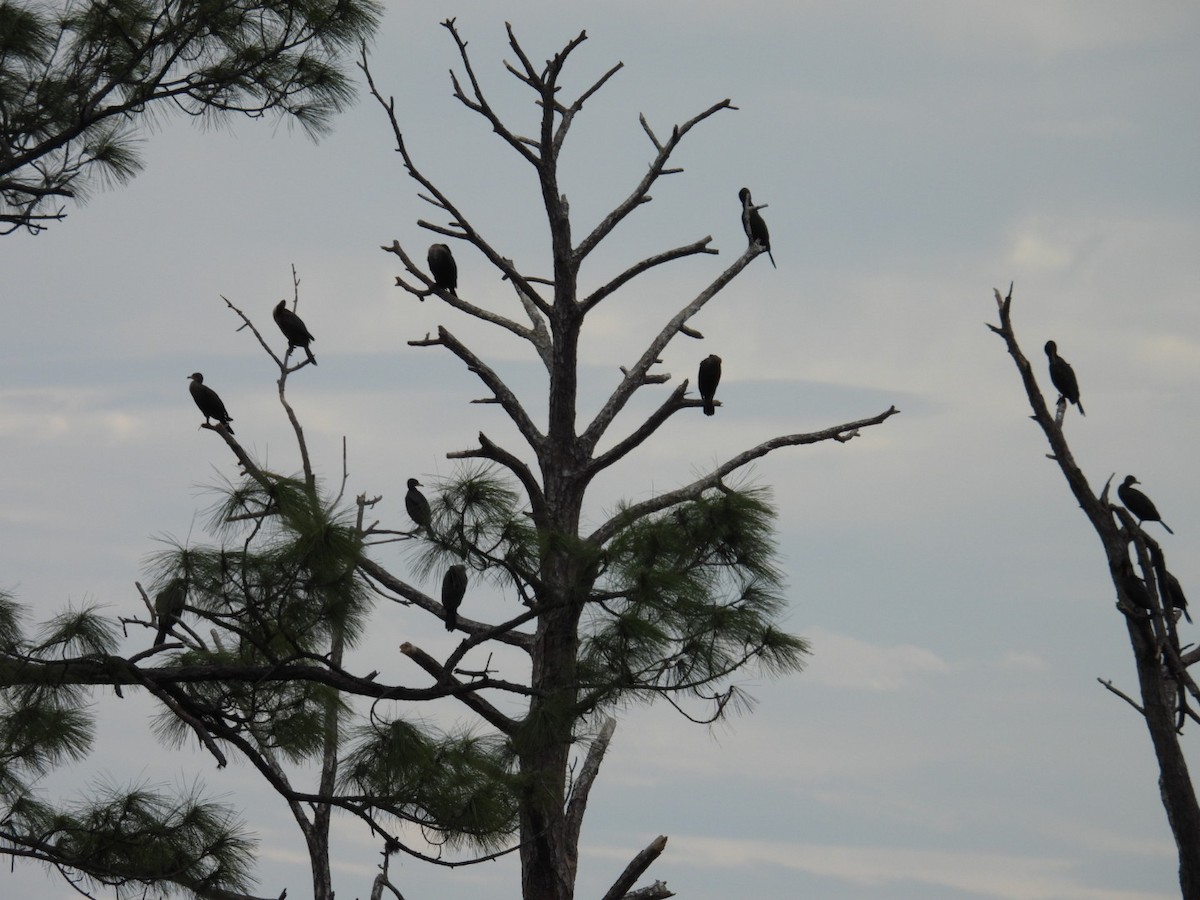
(639, 195)
(635, 375)
(494, 383)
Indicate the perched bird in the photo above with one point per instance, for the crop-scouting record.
(293, 329)
(1062, 376)
(1175, 597)
(454, 586)
(707, 380)
(1132, 586)
(208, 401)
(753, 224)
(1139, 504)
(443, 268)
(168, 604)
(417, 505)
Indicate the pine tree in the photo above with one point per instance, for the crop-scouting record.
(674, 597)
(77, 85)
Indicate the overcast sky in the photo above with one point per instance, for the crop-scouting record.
(949, 738)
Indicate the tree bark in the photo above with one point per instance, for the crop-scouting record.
(1163, 680)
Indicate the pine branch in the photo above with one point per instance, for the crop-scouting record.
(503, 633)
(493, 452)
(465, 693)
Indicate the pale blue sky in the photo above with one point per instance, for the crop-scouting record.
(949, 738)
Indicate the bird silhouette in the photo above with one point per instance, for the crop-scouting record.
(208, 401)
(418, 506)
(293, 329)
(707, 380)
(454, 586)
(1139, 504)
(753, 224)
(1175, 597)
(443, 268)
(1062, 376)
(168, 604)
(1132, 586)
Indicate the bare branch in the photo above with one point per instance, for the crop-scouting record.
(635, 376)
(636, 867)
(670, 406)
(470, 698)
(582, 787)
(656, 891)
(480, 103)
(713, 479)
(505, 634)
(638, 195)
(495, 384)
(700, 246)
(568, 114)
(1109, 685)
(438, 198)
(536, 337)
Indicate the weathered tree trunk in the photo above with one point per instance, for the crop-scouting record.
(1163, 680)
(1159, 692)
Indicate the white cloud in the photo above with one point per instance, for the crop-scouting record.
(997, 875)
(1022, 661)
(843, 661)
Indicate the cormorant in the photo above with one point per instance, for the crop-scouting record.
(1062, 376)
(454, 586)
(753, 224)
(443, 268)
(208, 401)
(293, 329)
(1133, 587)
(1175, 597)
(418, 506)
(1139, 504)
(168, 604)
(707, 380)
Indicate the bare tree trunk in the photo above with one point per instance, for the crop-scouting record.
(1164, 682)
(1160, 693)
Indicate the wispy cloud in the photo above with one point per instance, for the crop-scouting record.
(998, 875)
(843, 661)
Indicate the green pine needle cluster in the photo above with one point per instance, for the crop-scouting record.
(458, 787)
(123, 839)
(688, 597)
(76, 85)
(478, 519)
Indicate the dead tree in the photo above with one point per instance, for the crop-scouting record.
(617, 613)
(1150, 608)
